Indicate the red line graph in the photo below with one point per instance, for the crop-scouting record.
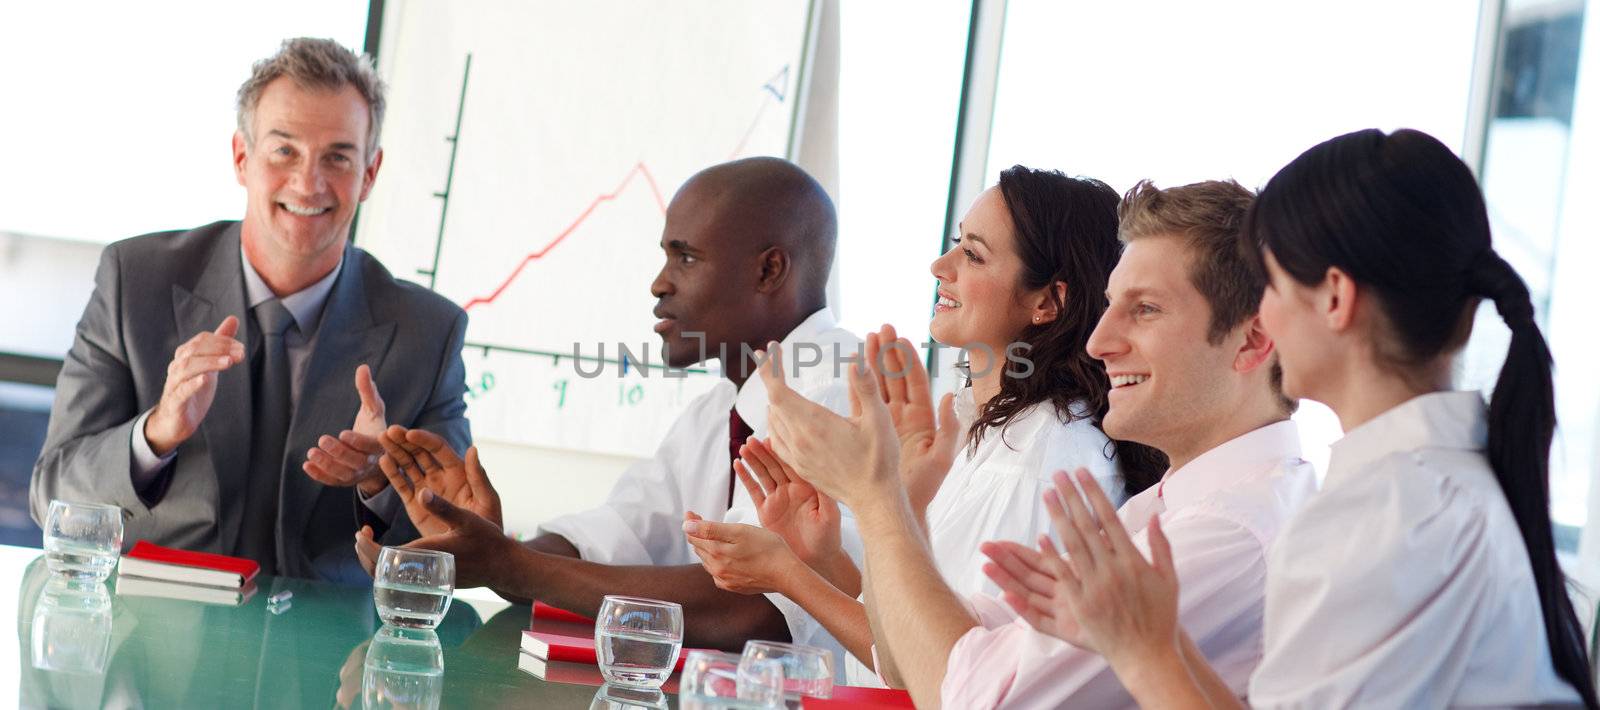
(638, 170)
(773, 89)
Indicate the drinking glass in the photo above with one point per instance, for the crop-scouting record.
(83, 539)
(72, 627)
(412, 587)
(807, 670)
(713, 680)
(637, 640)
(404, 668)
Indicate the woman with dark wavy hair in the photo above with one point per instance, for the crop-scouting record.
(1020, 292)
(1424, 573)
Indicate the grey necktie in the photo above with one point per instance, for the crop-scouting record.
(269, 428)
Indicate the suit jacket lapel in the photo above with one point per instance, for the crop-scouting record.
(219, 293)
(346, 337)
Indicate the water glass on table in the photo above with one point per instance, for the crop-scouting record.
(807, 670)
(637, 640)
(412, 587)
(713, 680)
(82, 540)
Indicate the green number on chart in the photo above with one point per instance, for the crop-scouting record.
(629, 395)
(482, 386)
(560, 386)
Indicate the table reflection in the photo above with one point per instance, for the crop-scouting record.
(72, 627)
(404, 668)
(621, 697)
(96, 646)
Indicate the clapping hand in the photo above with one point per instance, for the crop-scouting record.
(799, 526)
(742, 558)
(351, 459)
(424, 459)
(927, 447)
(191, 385)
(854, 459)
(807, 520)
(1028, 584)
(1103, 596)
(470, 531)
(479, 546)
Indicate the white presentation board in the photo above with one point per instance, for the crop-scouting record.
(529, 152)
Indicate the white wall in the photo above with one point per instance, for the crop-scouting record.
(538, 484)
(44, 284)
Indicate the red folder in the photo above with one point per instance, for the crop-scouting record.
(571, 649)
(153, 561)
(855, 698)
(542, 610)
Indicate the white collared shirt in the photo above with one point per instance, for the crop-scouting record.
(641, 521)
(994, 489)
(1220, 513)
(1406, 582)
(994, 492)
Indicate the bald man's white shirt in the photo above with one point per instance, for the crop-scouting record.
(641, 521)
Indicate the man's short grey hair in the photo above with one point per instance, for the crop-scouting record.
(315, 64)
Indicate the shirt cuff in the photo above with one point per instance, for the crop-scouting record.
(146, 464)
(385, 503)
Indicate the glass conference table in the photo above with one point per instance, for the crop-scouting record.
(168, 653)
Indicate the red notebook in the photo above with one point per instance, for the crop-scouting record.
(153, 561)
(571, 649)
(542, 610)
(856, 698)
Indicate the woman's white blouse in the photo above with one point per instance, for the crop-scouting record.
(1405, 583)
(995, 489)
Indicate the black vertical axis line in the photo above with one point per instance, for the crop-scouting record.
(449, 178)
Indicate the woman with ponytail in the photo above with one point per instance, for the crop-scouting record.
(1424, 573)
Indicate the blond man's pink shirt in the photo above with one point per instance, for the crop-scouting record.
(1220, 512)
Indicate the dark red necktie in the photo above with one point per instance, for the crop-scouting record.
(738, 433)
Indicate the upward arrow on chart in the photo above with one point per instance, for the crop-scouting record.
(778, 84)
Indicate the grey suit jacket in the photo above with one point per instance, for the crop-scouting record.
(154, 292)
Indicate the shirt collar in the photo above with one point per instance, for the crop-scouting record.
(751, 401)
(1444, 420)
(1230, 463)
(305, 305)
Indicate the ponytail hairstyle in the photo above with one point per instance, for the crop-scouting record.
(1403, 216)
(1066, 230)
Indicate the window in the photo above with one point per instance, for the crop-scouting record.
(1540, 171)
(1179, 91)
(898, 106)
(113, 133)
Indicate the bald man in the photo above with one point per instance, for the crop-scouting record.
(748, 247)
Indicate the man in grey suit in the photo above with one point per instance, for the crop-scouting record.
(209, 389)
